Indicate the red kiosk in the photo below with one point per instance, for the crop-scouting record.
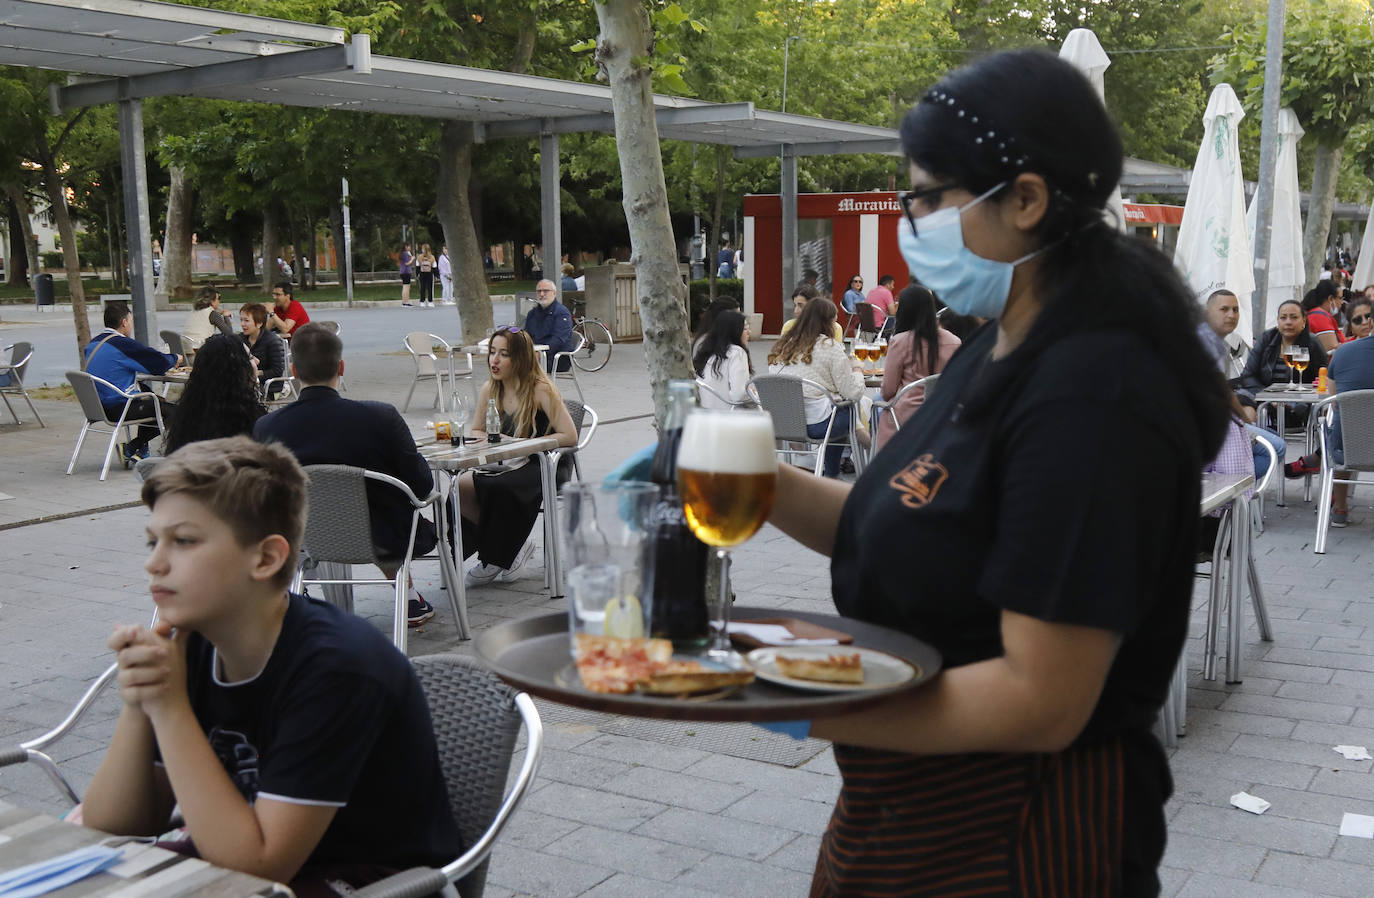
(839, 235)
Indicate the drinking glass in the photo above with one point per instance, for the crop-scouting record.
(1288, 360)
(1300, 358)
(462, 415)
(606, 530)
(727, 477)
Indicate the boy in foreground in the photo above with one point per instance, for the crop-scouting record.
(294, 737)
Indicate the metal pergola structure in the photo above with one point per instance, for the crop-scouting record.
(123, 51)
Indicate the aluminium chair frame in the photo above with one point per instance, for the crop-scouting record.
(123, 421)
(704, 387)
(400, 625)
(571, 373)
(836, 403)
(1327, 477)
(421, 374)
(15, 369)
(553, 574)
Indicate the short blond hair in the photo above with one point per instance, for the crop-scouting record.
(258, 489)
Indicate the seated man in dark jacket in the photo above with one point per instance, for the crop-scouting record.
(323, 428)
(550, 323)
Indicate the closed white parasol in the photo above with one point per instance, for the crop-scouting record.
(1286, 274)
(1083, 51)
(1213, 244)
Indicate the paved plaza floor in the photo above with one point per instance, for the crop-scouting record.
(626, 807)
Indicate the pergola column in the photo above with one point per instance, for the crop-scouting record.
(136, 219)
(550, 208)
(790, 272)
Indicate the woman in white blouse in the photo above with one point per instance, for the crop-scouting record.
(722, 360)
(808, 350)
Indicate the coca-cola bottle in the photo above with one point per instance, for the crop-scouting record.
(680, 559)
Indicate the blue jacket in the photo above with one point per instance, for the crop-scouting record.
(552, 326)
(120, 360)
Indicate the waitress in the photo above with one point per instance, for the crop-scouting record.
(1053, 575)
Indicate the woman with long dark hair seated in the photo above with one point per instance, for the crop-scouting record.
(1057, 587)
(708, 317)
(808, 350)
(221, 398)
(722, 361)
(919, 348)
(499, 507)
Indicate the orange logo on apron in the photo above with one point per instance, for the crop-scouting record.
(919, 481)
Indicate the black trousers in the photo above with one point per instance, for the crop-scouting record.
(426, 286)
(142, 407)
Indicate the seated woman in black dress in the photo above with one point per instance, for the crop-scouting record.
(221, 398)
(500, 506)
(267, 348)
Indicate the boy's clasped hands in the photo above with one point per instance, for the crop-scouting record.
(152, 666)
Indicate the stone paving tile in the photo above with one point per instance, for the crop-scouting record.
(777, 810)
(591, 806)
(768, 778)
(1171, 879)
(1265, 830)
(737, 838)
(1326, 877)
(738, 878)
(1297, 710)
(546, 876)
(627, 852)
(675, 789)
(609, 746)
(623, 885)
(1306, 753)
(1187, 851)
(1206, 885)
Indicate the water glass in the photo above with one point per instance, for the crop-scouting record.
(607, 525)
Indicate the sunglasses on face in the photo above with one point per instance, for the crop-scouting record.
(1359, 319)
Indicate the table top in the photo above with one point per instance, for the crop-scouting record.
(447, 457)
(1308, 395)
(27, 837)
(1218, 489)
(174, 376)
(533, 654)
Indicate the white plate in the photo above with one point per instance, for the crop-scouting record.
(881, 670)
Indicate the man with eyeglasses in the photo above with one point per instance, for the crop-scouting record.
(550, 323)
(286, 314)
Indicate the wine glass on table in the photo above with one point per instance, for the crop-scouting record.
(1300, 358)
(1287, 353)
(727, 477)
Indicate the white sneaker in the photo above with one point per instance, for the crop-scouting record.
(513, 572)
(482, 574)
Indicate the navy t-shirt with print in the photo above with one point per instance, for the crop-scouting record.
(1061, 483)
(336, 718)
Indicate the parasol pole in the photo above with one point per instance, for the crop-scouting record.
(1269, 160)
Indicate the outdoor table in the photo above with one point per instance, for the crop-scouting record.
(1218, 490)
(534, 654)
(27, 837)
(1280, 398)
(451, 460)
(174, 376)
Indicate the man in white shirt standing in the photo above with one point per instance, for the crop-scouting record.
(445, 277)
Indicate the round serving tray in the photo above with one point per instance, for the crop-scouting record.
(530, 653)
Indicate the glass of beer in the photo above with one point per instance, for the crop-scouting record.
(727, 475)
(1300, 358)
(1288, 360)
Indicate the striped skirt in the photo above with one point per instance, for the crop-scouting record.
(1033, 826)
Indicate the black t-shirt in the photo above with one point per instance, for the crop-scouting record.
(336, 718)
(1061, 483)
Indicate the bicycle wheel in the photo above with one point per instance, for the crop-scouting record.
(596, 346)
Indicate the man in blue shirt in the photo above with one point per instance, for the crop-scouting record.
(113, 355)
(550, 323)
(1351, 368)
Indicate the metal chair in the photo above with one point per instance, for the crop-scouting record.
(338, 531)
(12, 379)
(1356, 409)
(33, 751)
(926, 383)
(567, 356)
(704, 387)
(782, 396)
(585, 420)
(84, 385)
(173, 341)
(868, 322)
(420, 345)
(476, 721)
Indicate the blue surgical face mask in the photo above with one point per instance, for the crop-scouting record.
(962, 279)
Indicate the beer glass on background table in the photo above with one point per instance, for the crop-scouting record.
(727, 476)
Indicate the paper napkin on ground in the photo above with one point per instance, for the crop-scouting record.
(1357, 825)
(1247, 802)
(1354, 753)
(48, 876)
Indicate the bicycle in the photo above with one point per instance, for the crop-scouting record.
(595, 349)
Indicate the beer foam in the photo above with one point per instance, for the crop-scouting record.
(728, 443)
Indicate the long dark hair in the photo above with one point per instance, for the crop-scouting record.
(221, 396)
(916, 313)
(726, 331)
(817, 319)
(708, 317)
(1026, 111)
